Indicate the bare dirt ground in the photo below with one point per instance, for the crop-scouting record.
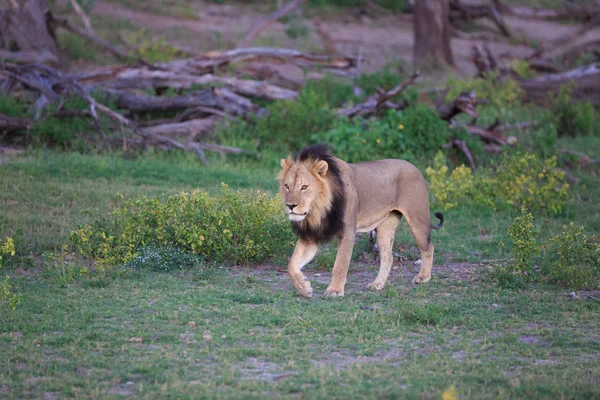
(381, 40)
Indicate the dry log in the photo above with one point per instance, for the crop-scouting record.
(488, 136)
(581, 13)
(585, 81)
(466, 12)
(217, 98)
(268, 20)
(592, 23)
(145, 78)
(375, 103)
(43, 56)
(14, 124)
(465, 102)
(188, 130)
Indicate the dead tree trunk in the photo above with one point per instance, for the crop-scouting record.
(432, 32)
(25, 25)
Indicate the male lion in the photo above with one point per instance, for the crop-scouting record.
(324, 197)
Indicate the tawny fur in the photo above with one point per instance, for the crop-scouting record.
(371, 195)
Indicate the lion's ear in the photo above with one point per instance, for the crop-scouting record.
(285, 163)
(321, 167)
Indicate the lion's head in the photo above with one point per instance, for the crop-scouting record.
(311, 191)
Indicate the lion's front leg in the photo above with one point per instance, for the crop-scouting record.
(340, 267)
(303, 254)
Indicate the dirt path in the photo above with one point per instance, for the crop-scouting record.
(381, 40)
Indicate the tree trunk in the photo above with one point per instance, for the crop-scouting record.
(432, 33)
(25, 24)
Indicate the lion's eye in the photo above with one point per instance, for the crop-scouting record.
(286, 186)
(304, 187)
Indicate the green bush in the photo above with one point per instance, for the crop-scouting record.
(572, 259)
(290, 124)
(335, 91)
(573, 117)
(525, 181)
(386, 79)
(523, 234)
(521, 180)
(6, 289)
(234, 226)
(414, 132)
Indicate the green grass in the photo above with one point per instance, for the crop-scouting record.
(253, 337)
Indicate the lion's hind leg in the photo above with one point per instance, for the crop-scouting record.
(420, 226)
(385, 242)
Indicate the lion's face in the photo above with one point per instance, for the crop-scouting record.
(302, 187)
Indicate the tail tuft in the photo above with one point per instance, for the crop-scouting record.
(439, 216)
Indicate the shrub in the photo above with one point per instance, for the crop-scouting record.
(523, 234)
(461, 186)
(573, 117)
(520, 180)
(525, 181)
(333, 89)
(572, 259)
(290, 124)
(386, 78)
(6, 289)
(234, 226)
(415, 131)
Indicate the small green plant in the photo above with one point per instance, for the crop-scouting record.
(335, 91)
(572, 259)
(573, 117)
(296, 29)
(523, 234)
(6, 289)
(240, 227)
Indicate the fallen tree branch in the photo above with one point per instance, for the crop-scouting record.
(145, 78)
(461, 145)
(14, 124)
(54, 20)
(268, 20)
(325, 37)
(381, 100)
(566, 38)
(465, 102)
(29, 56)
(87, 23)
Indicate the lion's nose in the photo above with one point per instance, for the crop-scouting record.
(291, 206)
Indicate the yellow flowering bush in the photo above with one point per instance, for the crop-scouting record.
(520, 180)
(526, 181)
(233, 226)
(6, 293)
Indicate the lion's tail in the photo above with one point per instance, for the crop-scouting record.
(439, 216)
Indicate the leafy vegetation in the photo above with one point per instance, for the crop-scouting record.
(239, 227)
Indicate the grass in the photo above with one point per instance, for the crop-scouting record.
(231, 333)
(130, 333)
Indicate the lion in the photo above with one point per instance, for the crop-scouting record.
(325, 197)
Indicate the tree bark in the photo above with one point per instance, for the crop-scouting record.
(432, 32)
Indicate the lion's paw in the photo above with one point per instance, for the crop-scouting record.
(421, 278)
(303, 286)
(331, 292)
(376, 285)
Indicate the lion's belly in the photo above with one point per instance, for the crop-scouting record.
(370, 224)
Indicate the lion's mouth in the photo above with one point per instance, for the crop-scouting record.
(296, 217)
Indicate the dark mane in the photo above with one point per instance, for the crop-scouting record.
(332, 222)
